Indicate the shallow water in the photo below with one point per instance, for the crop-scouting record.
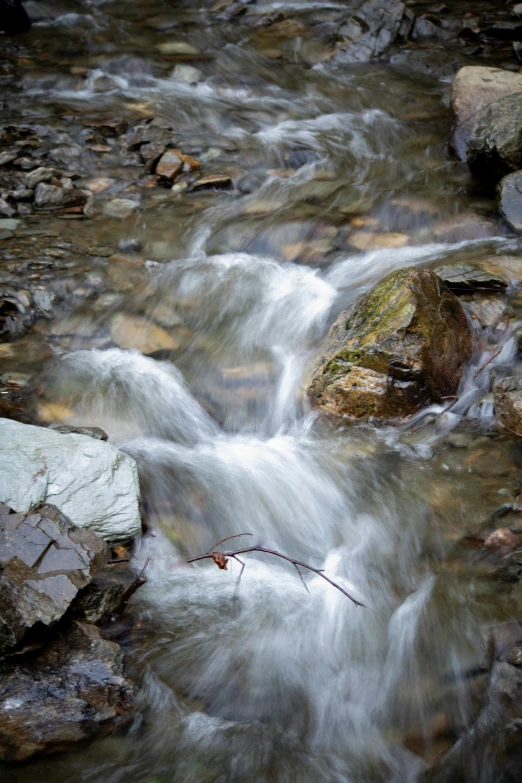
(267, 682)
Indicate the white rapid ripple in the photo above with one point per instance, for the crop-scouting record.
(127, 394)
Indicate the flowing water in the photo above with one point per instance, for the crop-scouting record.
(269, 682)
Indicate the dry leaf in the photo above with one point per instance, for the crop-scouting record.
(220, 560)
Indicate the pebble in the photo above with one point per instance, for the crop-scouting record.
(5, 209)
(169, 165)
(130, 331)
(9, 224)
(186, 74)
(99, 184)
(176, 47)
(120, 207)
(366, 240)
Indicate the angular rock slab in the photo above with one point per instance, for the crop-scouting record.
(44, 562)
(474, 88)
(94, 484)
(508, 404)
(509, 199)
(403, 344)
(72, 690)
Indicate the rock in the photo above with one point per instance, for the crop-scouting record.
(508, 404)
(13, 17)
(72, 690)
(5, 209)
(177, 48)
(134, 332)
(219, 181)
(9, 224)
(509, 199)
(490, 749)
(368, 240)
(428, 26)
(370, 32)
(495, 143)
(120, 207)
(104, 594)
(474, 89)
(186, 74)
(436, 63)
(502, 541)
(463, 278)
(53, 197)
(401, 345)
(94, 484)
(169, 165)
(92, 432)
(41, 174)
(44, 562)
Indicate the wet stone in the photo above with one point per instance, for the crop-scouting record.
(369, 34)
(120, 208)
(509, 196)
(71, 690)
(462, 278)
(508, 404)
(494, 147)
(53, 197)
(399, 346)
(169, 165)
(44, 562)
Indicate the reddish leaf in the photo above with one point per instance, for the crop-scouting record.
(220, 560)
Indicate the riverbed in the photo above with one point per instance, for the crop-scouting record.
(182, 318)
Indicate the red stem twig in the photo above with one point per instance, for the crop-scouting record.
(220, 560)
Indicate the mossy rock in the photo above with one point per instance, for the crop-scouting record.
(400, 346)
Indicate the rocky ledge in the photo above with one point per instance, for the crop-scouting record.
(60, 681)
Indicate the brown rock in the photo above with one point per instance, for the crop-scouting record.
(220, 181)
(508, 404)
(502, 540)
(400, 346)
(169, 165)
(132, 331)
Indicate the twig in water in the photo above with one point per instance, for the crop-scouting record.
(493, 356)
(220, 559)
(435, 418)
(129, 592)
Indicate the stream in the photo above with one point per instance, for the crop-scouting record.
(185, 328)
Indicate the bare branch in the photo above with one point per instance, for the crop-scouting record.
(238, 535)
(240, 573)
(493, 356)
(301, 578)
(296, 563)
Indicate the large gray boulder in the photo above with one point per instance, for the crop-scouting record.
(474, 89)
(94, 484)
(44, 562)
(73, 689)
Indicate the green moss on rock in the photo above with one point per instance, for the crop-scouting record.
(411, 332)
